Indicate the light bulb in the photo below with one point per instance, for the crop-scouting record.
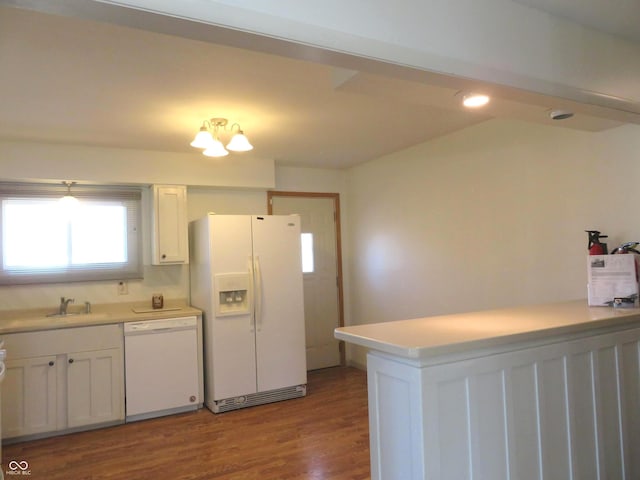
(239, 143)
(68, 204)
(475, 100)
(68, 201)
(203, 139)
(216, 149)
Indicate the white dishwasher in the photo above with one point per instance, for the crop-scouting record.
(161, 367)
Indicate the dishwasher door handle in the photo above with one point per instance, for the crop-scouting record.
(144, 331)
(159, 326)
(168, 329)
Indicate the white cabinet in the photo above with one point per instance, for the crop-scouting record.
(170, 227)
(62, 379)
(29, 394)
(94, 387)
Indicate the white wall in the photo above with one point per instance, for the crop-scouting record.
(490, 216)
(302, 179)
(49, 161)
(225, 202)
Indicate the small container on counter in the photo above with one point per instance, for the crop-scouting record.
(157, 301)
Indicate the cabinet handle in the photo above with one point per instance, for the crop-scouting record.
(71, 360)
(164, 255)
(51, 363)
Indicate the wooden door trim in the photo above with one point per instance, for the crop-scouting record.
(336, 204)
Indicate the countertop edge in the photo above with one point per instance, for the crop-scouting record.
(615, 321)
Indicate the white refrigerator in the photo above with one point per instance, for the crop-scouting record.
(246, 277)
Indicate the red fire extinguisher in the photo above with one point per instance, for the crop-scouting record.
(595, 246)
(629, 247)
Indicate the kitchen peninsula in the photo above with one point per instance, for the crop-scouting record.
(548, 391)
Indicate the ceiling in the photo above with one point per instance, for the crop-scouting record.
(616, 17)
(77, 81)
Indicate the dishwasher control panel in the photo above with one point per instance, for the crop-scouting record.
(160, 324)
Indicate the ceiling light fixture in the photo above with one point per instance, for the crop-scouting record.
(68, 203)
(560, 114)
(68, 198)
(208, 138)
(475, 100)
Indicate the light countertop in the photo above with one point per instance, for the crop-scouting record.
(451, 334)
(14, 321)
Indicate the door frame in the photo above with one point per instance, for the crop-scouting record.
(336, 206)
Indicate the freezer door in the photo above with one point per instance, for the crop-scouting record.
(279, 304)
(231, 365)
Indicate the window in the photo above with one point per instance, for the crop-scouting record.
(307, 252)
(45, 241)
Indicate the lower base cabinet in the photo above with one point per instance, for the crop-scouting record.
(62, 379)
(94, 387)
(29, 394)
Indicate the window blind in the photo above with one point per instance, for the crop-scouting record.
(42, 242)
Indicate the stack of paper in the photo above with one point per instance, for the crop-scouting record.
(612, 277)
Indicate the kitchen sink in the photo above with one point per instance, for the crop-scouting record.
(78, 316)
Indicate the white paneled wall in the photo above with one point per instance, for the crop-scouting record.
(563, 411)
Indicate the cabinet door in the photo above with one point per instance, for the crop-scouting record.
(170, 218)
(29, 396)
(94, 387)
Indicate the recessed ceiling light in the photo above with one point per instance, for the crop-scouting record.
(560, 114)
(474, 100)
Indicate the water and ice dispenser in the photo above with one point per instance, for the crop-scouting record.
(232, 294)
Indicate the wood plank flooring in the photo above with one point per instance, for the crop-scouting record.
(320, 437)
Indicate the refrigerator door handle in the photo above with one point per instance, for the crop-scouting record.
(258, 292)
(252, 294)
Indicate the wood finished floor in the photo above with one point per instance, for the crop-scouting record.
(320, 437)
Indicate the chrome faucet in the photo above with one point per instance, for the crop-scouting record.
(64, 303)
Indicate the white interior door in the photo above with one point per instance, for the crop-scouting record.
(321, 305)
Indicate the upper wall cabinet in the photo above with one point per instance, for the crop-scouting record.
(170, 226)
